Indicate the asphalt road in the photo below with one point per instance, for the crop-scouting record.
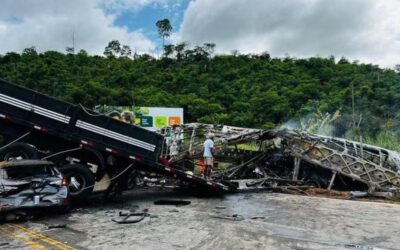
(264, 221)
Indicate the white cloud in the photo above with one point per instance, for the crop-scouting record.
(135, 5)
(3, 27)
(49, 25)
(367, 30)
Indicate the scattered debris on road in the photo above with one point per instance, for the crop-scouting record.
(130, 218)
(257, 217)
(56, 226)
(133, 217)
(234, 217)
(172, 202)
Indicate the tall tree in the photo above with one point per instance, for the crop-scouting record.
(164, 30)
(113, 49)
(126, 51)
(69, 50)
(209, 48)
(179, 49)
(31, 51)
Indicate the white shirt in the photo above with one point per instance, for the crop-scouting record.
(208, 145)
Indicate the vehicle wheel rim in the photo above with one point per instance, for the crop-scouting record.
(77, 184)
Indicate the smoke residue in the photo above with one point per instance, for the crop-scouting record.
(316, 123)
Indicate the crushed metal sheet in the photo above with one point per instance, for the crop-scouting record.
(28, 186)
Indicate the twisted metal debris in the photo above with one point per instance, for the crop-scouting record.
(286, 159)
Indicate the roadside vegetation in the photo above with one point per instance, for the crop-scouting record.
(250, 90)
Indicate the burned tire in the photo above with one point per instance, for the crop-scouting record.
(113, 193)
(134, 180)
(81, 181)
(316, 181)
(19, 151)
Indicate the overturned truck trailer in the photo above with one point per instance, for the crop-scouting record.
(276, 159)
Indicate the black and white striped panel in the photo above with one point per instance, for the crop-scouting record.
(36, 109)
(114, 135)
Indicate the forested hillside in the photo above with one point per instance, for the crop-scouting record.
(242, 90)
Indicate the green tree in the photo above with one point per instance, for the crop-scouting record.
(70, 50)
(113, 49)
(164, 30)
(179, 49)
(254, 90)
(209, 48)
(126, 51)
(30, 52)
(168, 50)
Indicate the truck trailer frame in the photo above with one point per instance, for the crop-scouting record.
(85, 144)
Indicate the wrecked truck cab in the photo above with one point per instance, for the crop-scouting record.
(28, 187)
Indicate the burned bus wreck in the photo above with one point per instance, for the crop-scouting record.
(286, 160)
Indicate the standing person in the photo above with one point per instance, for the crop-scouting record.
(208, 155)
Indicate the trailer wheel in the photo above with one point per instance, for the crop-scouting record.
(19, 151)
(81, 181)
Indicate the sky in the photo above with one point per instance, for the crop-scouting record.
(364, 30)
